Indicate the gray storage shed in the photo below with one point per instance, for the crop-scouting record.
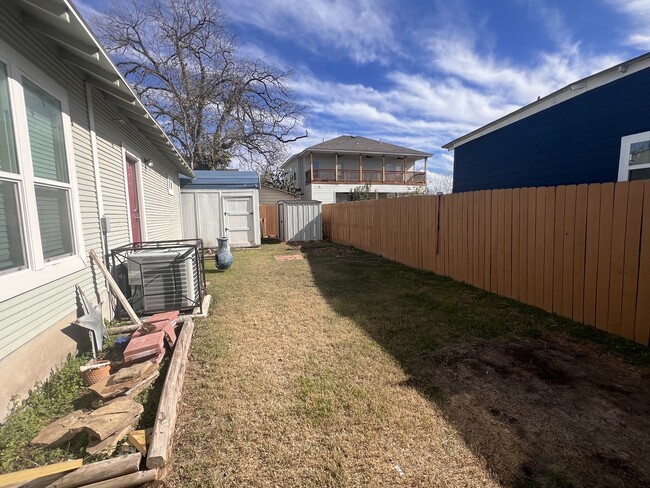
(222, 203)
(300, 220)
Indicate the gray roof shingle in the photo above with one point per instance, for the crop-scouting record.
(360, 144)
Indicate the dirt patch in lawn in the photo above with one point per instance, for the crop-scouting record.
(546, 412)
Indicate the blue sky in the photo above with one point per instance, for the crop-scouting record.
(420, 73)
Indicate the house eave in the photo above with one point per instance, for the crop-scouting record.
(572, 90)
(76, 45)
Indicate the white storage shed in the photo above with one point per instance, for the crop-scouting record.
(222, 203)
(300, 220)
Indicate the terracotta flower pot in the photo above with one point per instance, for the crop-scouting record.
(92, 376)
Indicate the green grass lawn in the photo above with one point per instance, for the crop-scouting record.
(344, 369)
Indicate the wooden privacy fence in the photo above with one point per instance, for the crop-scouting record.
(269, 220)
(582, 252)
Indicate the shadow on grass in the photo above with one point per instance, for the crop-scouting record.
(545, 401)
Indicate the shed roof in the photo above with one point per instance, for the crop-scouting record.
(221, 180)
(72, 41)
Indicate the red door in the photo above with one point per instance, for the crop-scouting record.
(134, 202)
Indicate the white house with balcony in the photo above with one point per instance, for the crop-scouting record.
(328, 171)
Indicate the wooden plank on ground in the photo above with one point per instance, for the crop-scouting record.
(540, 229)
(558, 248)
(163, 429)
(99, 471)
(549, 246)
(591, 253)
(642, 316)
(516, 205)
(579, 253)
(605, 226)
(33, 473)
(631, 266)
(621, 193)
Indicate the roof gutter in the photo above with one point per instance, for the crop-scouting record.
(119, 93)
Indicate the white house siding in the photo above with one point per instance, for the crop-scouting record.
(161, 216)
(37, 311)
(30, 313)
(326, 192)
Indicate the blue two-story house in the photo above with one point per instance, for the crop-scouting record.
(595, 130)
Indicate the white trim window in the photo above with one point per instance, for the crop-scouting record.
(40, 226)
(634, 161)
(170, 184)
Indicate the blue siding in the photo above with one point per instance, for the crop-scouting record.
(576, 141)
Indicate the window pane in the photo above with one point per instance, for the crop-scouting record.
(7, 145)
(640, 174)
(54, 221)
(640, 153)
(11, 245)
(45, 126)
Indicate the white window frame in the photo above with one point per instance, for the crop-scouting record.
(624, 157)
(37, 271)
(170, 184)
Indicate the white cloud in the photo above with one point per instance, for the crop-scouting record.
(638, 13)
(362, 29)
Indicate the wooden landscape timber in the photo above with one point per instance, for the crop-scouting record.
(110, 423)
(19, 477)
(163, 429)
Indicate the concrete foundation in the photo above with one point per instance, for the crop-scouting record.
(33, 363)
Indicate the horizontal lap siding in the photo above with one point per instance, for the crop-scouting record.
(576, 141)
(32, 312)
(579, 251)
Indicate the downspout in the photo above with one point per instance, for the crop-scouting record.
(98, 185)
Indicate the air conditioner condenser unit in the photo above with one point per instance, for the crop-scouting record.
(163, 279)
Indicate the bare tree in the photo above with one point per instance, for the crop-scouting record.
(440, 183)
(184, 63)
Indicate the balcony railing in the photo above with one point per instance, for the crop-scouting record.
(329, 175)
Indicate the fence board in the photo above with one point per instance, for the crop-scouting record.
(631, 266)
(530, 261)
(582, 252)
(558, 248)
(591, 254)
(567, 252)
(642, 318)
(579, 252)
(508, 243)
(494, 239)
(488, 240)
(501, 225)
(618, 257)
(515, 243)
(523, 245)
(604, 255)
(540, 241)
(269, 220)
(549, 228)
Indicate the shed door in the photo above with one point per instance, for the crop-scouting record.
(239, 220)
